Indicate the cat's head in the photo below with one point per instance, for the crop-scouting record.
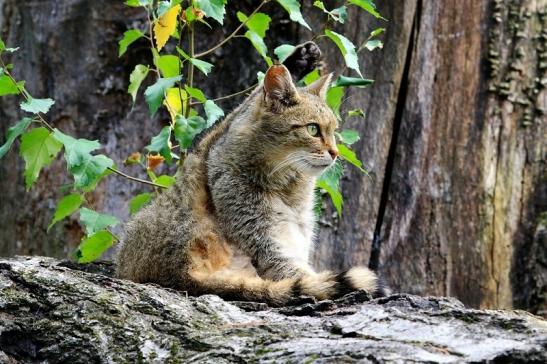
(296, 124)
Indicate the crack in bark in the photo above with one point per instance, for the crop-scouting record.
(399, 110)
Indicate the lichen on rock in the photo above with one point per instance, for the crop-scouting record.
(53, 311)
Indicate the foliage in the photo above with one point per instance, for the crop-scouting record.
(171, 85)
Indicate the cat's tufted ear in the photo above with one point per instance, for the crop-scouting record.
(320, 87)
(279, 89)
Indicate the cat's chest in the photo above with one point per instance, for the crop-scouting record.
(293, 228)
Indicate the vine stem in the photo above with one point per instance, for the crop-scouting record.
(234, 33)
(120, 173)
(181, 63)
(51, 129)
(230, 95)
(190, 79)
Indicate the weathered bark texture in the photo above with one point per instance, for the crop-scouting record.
(52, 313)
(454, 135)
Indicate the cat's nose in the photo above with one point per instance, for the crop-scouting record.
(333, 153)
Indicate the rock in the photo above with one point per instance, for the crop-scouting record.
(53, 311)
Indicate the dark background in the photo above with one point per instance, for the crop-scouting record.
(454, 135)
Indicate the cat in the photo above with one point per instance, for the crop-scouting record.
(239, 221)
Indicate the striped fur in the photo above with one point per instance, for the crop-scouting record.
(239, 220)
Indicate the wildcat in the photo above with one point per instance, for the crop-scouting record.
(239, 221)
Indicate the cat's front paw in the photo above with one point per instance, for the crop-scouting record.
(304, 59)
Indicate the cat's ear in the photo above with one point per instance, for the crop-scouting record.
(279, 89)
(320, 87)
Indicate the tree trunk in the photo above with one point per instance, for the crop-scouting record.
(453, 135)
(53, 313)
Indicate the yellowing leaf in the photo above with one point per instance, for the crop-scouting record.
(173, 103)
(165, 26)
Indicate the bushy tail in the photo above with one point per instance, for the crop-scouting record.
(324, 285)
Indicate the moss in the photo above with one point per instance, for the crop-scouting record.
(311, 359)
(262, 351)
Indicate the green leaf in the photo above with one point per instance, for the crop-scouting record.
(356, 112)
(129, 37)
(91, 171)
(38, 148)
(66, 207)
(293, 8)
(86, 169)
(76, 150)
(311, 77)
(165, 181)
(347, 48)
(212, 8)
(135, 80)
(169, 65)
(161, 144)
(137, 3)
(257, 24)
(283, 52)
(259, 45)
(348, 136)
(187, 128)
(8, 87)
(154, 94)
(260, 76)
(94, 221)
(369, 6)
(339, 14)
(213, 112)
(13, 133)
(376, 32)
(352, 81)
(139, 202)
(373, 44)
(349, 156)
(93, 247)
(196, 93)
(4, 49)
(164, 6)
(203, 66)
(330, 182)
(36, 106)
(334, 99)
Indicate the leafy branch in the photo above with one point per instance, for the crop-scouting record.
(190, 110)
(234, 33)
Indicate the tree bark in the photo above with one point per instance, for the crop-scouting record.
(54, 313)
(453, 135)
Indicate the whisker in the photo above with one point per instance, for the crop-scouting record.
(291, 158)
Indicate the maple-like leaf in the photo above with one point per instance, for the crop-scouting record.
(165, 26)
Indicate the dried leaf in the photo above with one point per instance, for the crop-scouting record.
(154, 160)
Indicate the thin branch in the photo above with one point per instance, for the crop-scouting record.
(190, 79)
(233, 34)
(181, 63)
(230, 95)
(135, 178)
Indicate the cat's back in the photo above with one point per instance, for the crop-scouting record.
(157, 237)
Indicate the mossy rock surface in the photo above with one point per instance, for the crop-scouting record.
(53, 311)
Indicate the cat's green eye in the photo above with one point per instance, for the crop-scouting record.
(313, 129)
